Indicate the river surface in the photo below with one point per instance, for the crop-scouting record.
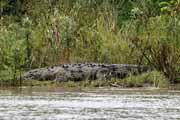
(99, 104)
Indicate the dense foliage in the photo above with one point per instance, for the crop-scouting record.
(38, 33)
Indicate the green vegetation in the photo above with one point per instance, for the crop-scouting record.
(39, 33)
(151, 79)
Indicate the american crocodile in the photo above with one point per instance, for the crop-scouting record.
(84, 71)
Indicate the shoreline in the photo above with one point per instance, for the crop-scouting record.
(78, 86)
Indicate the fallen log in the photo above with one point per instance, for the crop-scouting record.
(84, 71)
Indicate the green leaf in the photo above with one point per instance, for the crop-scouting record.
(162, 4)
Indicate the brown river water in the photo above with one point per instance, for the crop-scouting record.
(98, 104)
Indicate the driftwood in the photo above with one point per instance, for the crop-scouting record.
(85, 71)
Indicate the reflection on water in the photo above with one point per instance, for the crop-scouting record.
(101, 104)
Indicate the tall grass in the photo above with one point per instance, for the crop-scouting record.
(137, 32)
